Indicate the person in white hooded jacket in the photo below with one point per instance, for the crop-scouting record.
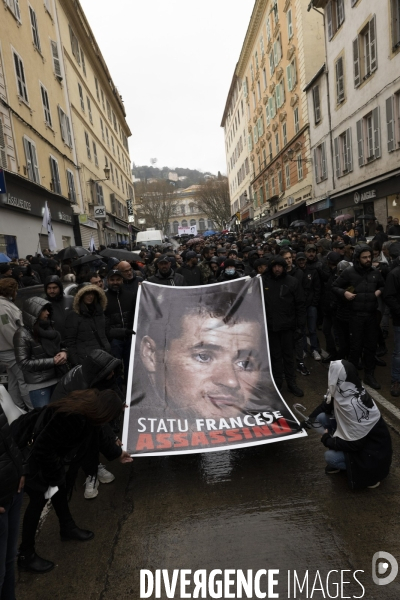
(10, 321)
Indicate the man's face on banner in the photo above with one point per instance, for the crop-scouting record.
(212, 368)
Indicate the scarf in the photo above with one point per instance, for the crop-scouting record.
(355, 411)
(50, 339)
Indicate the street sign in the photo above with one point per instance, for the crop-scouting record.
(129, 205)
(131, 219)
(3, 189)
(100, 212)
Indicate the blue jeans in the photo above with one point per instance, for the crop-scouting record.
(396, 355)
(312, 315)
(335, 459)
(41, 397)
(327, 422)
(9, 529)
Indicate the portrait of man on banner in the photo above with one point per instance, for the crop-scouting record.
(200, 364)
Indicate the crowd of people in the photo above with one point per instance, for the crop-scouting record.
(67, 356)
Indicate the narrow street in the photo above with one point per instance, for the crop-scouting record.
(258, 508)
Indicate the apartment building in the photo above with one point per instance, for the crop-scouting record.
(355, 107)
(234, 123)
(186, 213)
(38, 155)
(100, 131)
(281, 51)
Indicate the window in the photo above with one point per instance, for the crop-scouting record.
(272, 107)
(56, 60)
(32, 168)
(280, 93)
(65, 127)
(265, 78)
(287, 175)
(119, 156)
(102, 99)
(273, 186)
(74, 46)
(96, 160)
(102, 129)
(364, 53)
(13, 5)
(83, 63)
(267, 113)
(320, 168)
(262, 45)
(316, 104)
(96, 83)
(71, 186)
(202, 225)
(55, 176)
(277, 142)
(99, 194)
(268, 25)
(35, 29)
(393, 121)
(116, 177)
(20, 75)
(89, 154)
(284, 134)
(112, 144)
(81, 97)
(255, 133)
(369, 137)
(343, 153)
(296, 120)
(339, 81)
(254, 101)
(267, 191)
(115, 121)
(175, 226)
(299, 167)
(108, 139)
(289, 23)
(108, 110)
(184, 223)
(89, 106)
(112, 172)
(260, 126)
(271, 63)
(291, 74)
(270, 151)
(277, 51)
(251, 72)
(334, 16)
(256, 60)
(275, 12)
(259, 90)
(46, 106)
(395, 6)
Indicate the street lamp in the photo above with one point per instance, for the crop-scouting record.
(106, 175)
(290, 155)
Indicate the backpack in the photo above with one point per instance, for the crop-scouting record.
(27, 427)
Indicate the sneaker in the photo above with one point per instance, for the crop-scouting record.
(316, 355)
(377, 484)
(395, 389)
(91, 485)
(301, 368)
(331, 470)
(296, 391)
(103, 475)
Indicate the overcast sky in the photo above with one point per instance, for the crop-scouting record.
(172, 62)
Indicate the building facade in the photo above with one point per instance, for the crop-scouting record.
(55, 93)
(234, 123)
(186, 213)
(355, 107)
(280, 53)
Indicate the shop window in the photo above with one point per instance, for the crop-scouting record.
(8, 246)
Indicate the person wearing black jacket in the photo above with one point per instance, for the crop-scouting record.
(312, 292)
(190, 271)
(391, 296)
(131, 280)
(285, 311)
(229, 272)
(361, 285)
(329, 302)
(120, 313)
(60, 304)
(12, 477)
(85, 325)
(165, 275)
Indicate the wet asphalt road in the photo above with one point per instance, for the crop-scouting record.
(271, 507)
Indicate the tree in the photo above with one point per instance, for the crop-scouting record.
(155, 202)
(212, 197)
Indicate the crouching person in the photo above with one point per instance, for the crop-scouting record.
(357, 439)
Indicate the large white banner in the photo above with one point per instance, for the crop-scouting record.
(192, 230)
(200, 377)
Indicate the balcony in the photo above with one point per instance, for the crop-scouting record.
(319, 3)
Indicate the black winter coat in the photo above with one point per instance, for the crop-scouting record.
(92, 373)
(391, 293)
(363, 283)
(171, 279)
(311, 286)
(132, 285)
(192, 275)
(85, 329)
(284, 302)
(329, 298)
(120, 313)
(11, 463)
(31, 357)
(61, 305)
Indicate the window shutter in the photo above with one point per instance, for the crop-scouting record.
(316, 166)
(276, 59)
(317, 108)
(360, 142)
(339, 81)
(372, 41)
(35, 165)
(283, 90)
(340, 11)
(294, 72)
(56, 60)
(29, 166)
(390, 123)
(349, 150)
(329, 20)
(113, 206)
(356, 62)
(61, 116)
(377, 132)
(290, 24)
(255, 134)
(337, 156)
(69, 134)
(289, 77)
(35, 30)
(267, 113)
(324, 173)
(16, 10)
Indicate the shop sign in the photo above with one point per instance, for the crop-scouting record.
(100, 212)
(322, 205)
(129, 205)
(83, 219)
(63, 217)
(131, 219)
(370, 195)
(18, 202)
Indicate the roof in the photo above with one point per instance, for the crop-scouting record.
(317, 74)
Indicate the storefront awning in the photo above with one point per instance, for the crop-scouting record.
(285, 211)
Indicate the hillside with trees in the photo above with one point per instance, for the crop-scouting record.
(194, 177)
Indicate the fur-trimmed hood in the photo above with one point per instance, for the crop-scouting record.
(101, 297)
